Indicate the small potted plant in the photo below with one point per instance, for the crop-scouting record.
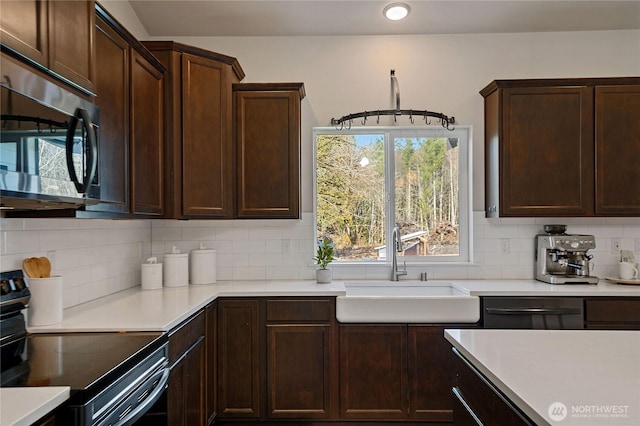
(324, 256)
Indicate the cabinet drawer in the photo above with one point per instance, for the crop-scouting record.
(613, 310)
(310, 310)
(182, 337)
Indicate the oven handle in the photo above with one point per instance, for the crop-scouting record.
(534, 311)
(129, 417)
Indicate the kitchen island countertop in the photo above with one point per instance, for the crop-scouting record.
(24, 406)
(593, 375)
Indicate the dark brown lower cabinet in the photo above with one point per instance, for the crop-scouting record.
(239, 347)
(430, 373)
(185, 392)
(297, 371)
(476, 401)
(393, 372)
(299, 357)
(373, 372)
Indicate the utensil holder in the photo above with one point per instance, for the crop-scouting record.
(45, 305)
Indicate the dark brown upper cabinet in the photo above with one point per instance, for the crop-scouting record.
(200, 172)
(130, 94)
(267, 135)
(54, 35)
(562, 147)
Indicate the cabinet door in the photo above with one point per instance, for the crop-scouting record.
(146, 137)
(547, 156)
(112, 89)
(298, 371)
(268, 154)
(373, 372)
(207, 158)
(24, 28)
(430, 374)
(185, 392)
(239, 359)
(618, 150)
(71, 29)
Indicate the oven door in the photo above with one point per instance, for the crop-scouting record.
(128, 398)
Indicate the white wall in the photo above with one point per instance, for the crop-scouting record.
(437, 72)
(344, 75)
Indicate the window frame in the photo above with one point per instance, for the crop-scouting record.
(465, 188)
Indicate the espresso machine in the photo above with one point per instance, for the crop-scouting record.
(562, 258)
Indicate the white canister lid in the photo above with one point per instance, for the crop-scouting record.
(175, 254)
(203, 250)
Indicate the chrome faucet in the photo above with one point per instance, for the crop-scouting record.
(396, 242)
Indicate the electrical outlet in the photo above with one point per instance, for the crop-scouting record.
(504, 245)
(638, 245)
(615, 245)
(52, 258)
(286, 246)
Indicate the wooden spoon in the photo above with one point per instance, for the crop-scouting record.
(31, 267)
(45, 267)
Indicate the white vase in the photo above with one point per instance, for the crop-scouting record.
(323, 276)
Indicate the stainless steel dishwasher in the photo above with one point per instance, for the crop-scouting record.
(550, 313)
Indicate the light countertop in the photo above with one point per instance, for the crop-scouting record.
(162, 309)
(538, 288)
(24, 406)
(594, 374)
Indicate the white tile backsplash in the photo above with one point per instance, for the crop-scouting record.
(98, 257)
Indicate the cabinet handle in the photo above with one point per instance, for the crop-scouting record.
(458, 395)
(89, 171)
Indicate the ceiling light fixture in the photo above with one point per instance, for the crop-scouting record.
(396, 11)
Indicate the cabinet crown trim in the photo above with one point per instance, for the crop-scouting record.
(266, 87)
(185, 48)
(546, 82)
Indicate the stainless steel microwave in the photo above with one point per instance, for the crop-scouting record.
(48, 144)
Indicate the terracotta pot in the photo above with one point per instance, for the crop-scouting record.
(323, 276)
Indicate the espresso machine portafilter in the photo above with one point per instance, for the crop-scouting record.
(563, 258)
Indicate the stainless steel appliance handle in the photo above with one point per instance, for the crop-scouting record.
(92, 151)
(129, 415)
(458, 394)
(534, 311)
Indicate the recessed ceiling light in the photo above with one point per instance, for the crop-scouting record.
(396, 11)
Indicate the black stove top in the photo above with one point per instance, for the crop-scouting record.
(79, 360)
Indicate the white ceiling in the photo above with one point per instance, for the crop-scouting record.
(364, 17)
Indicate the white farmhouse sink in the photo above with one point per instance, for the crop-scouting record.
(406, 302)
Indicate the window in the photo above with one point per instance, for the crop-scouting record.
(371, 179)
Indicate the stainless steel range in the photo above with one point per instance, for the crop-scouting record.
(562, 258)
(115, 378)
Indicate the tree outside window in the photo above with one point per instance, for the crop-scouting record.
(370, 180)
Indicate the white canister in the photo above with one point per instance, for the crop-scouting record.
(176, 268)
(151, 274)
(202, 266)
